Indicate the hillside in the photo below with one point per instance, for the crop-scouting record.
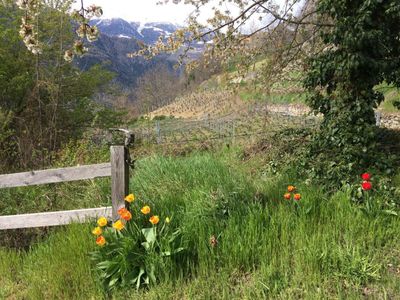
(227, 93)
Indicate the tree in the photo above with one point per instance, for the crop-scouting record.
(245, 31)
(29, 28)
(158, 87)
(362, 50)
(44, 101)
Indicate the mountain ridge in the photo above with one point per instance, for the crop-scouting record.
(117, 39)
(147, 32)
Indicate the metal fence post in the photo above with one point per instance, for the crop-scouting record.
(378, 117)
(158, 132)
(233, 133)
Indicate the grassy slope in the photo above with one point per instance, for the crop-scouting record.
(212, 99)
(323, 248)
(391, 95)
(289, 91)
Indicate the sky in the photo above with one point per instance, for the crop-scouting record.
(149, 11)
(143, 10)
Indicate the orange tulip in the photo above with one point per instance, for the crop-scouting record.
(291, 188)
(154, 220)
(126, 215)
(101, 241)
(122, 210)
(287, 196)
(297, 197)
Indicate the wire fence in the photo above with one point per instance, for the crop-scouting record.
(226, 128)
(255, 121)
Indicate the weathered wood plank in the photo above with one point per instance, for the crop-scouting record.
(53, 218)
(55, 175)
(119, 177)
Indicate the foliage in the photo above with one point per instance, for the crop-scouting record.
(362, 50)
(132, 254)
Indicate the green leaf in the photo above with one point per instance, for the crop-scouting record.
(146, 245)
(141, 272)
(113, 281)
(149, 234)
(390, 212)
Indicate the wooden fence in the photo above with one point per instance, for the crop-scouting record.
(117, 169)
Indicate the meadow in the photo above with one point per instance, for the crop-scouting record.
(242, 239)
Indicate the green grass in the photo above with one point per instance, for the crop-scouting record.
(274, 98)
(391, 95)
(268, 248)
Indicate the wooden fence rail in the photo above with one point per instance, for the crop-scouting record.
(118, 169)
(55, 175)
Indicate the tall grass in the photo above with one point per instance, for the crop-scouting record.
(320, 248)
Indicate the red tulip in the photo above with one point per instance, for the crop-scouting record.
(366, 185)
(366, 176)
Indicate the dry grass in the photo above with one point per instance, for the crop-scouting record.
(199, 105)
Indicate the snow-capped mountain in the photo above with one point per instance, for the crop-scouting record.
(145, 32)
(119, 37)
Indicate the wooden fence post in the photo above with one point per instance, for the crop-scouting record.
(119, 177)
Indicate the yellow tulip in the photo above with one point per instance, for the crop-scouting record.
(167, 220)
(145, 210)
(97, 231)
(130, 198)
(118, 225)
(102, 221)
